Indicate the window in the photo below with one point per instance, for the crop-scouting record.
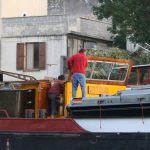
(143, 75)
(89, 45)
(100, 70)
(31, 56)
(133, 77)
(74, 45)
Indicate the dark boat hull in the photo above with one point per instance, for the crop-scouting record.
(68, 134)
(74, 141)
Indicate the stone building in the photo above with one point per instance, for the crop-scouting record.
(38, 43)
(0, 38)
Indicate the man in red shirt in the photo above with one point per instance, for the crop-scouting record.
(77, 64)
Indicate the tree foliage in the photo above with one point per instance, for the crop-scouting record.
(138, 57)
(130, 18)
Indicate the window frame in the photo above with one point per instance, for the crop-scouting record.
(22, 56)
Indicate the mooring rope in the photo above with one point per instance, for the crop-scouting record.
(100, 115)
(142, 111)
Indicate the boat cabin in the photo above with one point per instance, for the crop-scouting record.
(140, 75)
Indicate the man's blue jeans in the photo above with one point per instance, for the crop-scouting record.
(52, 101)
(78, 78)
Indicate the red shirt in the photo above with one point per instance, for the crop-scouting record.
(77, 63)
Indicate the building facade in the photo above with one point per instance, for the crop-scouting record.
(20, 8)
(38, 42)
(0, 35)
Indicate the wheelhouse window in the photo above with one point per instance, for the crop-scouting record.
(31, 56)
(140, 74)
(101, 70)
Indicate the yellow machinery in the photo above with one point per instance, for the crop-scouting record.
(23, 95)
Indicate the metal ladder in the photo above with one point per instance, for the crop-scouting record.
(19, 76)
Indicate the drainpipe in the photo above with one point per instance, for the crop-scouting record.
(1, 76)
(0, 30)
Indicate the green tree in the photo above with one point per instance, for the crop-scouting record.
(113, 52)
(138, 57)
(130, 18)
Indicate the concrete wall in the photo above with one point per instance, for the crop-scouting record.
(17, 8)
(49, 29)
(0, 8)
(80, 8)
(63, 16)
(77, 9)
(0, 32)
(72, 8)
(55, 48)
(80, 16)
(95, 28)
(34, 26)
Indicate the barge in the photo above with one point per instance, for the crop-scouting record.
(112, 117)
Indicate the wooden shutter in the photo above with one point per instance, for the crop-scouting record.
(20, 56)
(42, 55)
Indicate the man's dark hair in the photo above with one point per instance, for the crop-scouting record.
(81, 50)
(61, 77)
